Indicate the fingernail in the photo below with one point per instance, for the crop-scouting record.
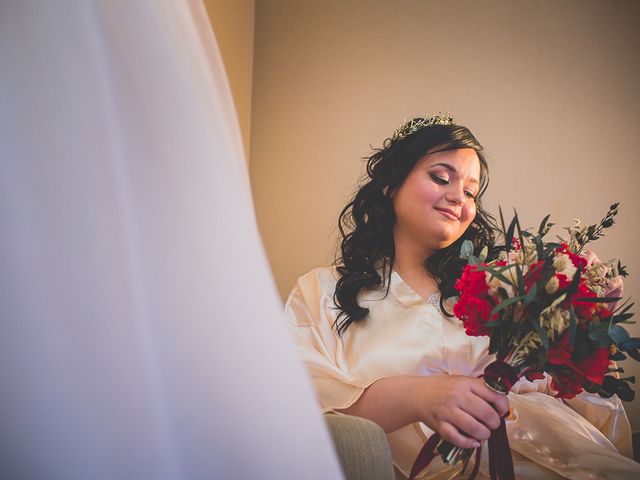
(475, 444)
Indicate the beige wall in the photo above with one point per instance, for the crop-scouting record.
(550, 88)
(233, 24)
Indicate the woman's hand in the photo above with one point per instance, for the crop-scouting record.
(463, 410)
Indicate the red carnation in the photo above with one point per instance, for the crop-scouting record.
(577, 260)
(535, 272)
(472, 282)
(473, 308)
(584, 310)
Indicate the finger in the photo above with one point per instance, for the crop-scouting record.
(452, 435)
(498, 400)
(482, 411)
(469, 425)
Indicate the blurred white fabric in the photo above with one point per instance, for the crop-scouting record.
(142, 335)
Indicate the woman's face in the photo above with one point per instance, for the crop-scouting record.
(436, 203)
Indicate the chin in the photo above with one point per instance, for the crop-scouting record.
(446, 239)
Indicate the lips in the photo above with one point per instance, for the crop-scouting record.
(448, 213)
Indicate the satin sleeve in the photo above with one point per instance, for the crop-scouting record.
(310, 316)
(607, 415)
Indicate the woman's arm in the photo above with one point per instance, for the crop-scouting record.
(461, 409)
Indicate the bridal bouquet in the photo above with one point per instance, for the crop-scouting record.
(548, 307)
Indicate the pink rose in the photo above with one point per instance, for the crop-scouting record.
(614, 288)
(590, 257)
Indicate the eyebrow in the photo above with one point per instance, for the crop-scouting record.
(453, 169)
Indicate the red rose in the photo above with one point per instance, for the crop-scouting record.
(560, 352)
(532, 375)
(592, 368)
(565, 384)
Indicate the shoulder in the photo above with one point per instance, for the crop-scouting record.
(313, 289)
(320, 280)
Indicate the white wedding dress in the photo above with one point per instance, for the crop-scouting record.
(142, 335)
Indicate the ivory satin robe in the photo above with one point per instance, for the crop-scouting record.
(582, 438)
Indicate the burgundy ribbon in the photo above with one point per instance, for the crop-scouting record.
(427, 453)
(500, 461)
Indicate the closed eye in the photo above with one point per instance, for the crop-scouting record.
(440, 180)
(445, 181)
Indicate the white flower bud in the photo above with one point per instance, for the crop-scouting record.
(552, 285)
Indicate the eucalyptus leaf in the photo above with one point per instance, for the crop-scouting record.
(604, 340)
(635, 354)
(596, 329)
(618, 334)
(633, 342)
(466, 249)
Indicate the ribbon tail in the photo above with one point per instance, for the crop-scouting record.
(492, 457)
(426, 455)
(500, 461)
(476, 467)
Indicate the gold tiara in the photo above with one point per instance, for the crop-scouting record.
(415, 124)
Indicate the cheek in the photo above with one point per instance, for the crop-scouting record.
(471, 211)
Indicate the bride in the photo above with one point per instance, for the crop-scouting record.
(379, 342)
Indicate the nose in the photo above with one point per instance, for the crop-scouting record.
(455, 195)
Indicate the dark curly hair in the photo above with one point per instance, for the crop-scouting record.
(367, 251)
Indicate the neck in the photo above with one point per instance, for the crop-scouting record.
(410, 262)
